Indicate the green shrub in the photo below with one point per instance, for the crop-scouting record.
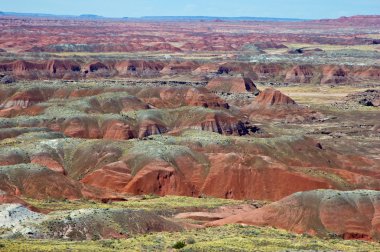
(179, 245)
(96, 237)
(107, 244)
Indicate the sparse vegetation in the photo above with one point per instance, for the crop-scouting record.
(147, 202)
(231, 238)
(179, 245)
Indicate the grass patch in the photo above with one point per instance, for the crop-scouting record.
(145, 202)
(226, 238)
(328, 47)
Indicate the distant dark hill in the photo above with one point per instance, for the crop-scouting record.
(208, 18)
(90, 16)
(156, 18)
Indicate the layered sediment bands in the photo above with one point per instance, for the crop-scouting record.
(137, 124)
(114, 103)
(68, 69)
(187, 164)
(227, 173)
(12, 199)
(268, 71)
(39, 182)
(119, 130)
(238, 169)
(62, 66)
(335, 74)
(273, 98)
(164, 180)
(175, 97)
(18, 101)
(174, 68)
(139, 68)
(95, 67)
(350, 214)
(24, 99)
(115, 175)
(232, 85)
(301, 74)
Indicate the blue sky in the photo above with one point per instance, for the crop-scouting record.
(228, 8)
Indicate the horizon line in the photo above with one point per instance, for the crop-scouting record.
(94, 16)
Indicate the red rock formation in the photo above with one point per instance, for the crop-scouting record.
(221, 123)
(237, 171)
(80, 127)
(150, 126)
(59, 66)
(115, 105)
(351, 214)
(115, 175)
(175, 67)
(174, 97)
(334, 74)
(164, 47)
(117, 130)
(67, 69)
(164, 180)
(47, 161)
(272, 98)
(139, 68)
(94, 67)
(372, 73)
(234, 180)
(232, 85)
(210, 68)
(267, 71)
(11, 199)
(300, 74)
(272, 104)
(25, 99)
(39, 183)
(22, 67)
(12, 157)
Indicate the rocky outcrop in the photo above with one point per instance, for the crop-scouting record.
(370, 97)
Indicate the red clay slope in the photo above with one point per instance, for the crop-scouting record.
(350, 214)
